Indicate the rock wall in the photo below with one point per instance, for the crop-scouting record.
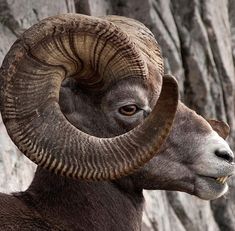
(198, 44)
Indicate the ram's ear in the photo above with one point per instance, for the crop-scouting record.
(220, 127)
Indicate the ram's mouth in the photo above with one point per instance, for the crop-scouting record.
(211, 187)
(222, 179)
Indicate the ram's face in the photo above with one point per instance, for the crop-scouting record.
(194, 159)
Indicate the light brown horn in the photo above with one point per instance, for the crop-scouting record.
(97, 53)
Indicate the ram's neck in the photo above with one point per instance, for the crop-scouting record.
(78, 205)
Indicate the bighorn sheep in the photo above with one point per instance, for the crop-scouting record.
(92, 135)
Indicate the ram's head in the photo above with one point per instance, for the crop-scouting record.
(76, 96)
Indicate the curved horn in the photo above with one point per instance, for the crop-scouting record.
(96, 52)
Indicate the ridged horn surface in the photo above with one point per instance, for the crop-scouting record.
(142, 37)
(96, 53)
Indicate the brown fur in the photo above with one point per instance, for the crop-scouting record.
(56, 203)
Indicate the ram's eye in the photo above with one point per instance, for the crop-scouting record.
(128, 110)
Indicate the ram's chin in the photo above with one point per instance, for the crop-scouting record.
(208, 188)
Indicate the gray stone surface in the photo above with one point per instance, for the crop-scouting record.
(198, 45)
(16, 170)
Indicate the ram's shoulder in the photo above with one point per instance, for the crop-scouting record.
(16, 215)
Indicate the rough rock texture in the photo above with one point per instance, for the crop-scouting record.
(198, 44)
(15, 169)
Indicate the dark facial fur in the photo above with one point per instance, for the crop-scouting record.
(173, 166)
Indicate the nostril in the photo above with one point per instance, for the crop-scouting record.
(224, 154)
